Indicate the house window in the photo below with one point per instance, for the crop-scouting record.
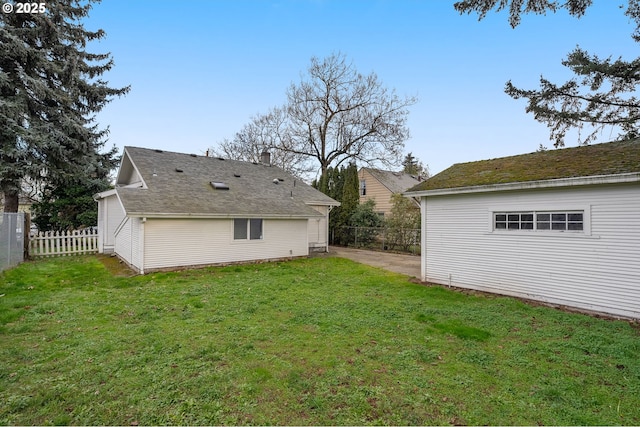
(363, 187)
(244, 229)
(544, 221)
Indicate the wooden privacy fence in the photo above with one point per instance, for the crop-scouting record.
(57, 243)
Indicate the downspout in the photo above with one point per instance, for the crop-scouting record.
(327, 229)
(141, 248)
(423, 238)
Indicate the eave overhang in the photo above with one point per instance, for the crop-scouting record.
(531, 185)
(218, 216)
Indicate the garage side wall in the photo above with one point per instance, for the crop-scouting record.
(189, 242)
(597, 269)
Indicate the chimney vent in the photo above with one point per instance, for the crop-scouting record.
(265, 158)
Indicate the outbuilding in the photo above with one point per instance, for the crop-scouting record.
(171, 210)
(557, 226)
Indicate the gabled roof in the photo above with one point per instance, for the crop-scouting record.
(608, 159)
(162, 183)
(396, 182)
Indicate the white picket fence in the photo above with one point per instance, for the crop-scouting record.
(58, 243)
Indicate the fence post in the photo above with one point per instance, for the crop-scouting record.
(26, 235)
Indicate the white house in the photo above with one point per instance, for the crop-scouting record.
(560, 226)
(172, 210)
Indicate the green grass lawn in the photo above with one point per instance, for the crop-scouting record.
(311, 341)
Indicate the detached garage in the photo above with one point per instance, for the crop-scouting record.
(559, 226)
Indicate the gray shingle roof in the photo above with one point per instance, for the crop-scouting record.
(592, 160)
(396, 182)
(180, 185)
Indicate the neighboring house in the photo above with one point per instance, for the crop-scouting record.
(559, 226)
(379, 185)
(173, 210)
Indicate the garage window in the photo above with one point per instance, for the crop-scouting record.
(544, 221)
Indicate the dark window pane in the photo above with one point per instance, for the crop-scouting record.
(256, 229)
(558, 217)
(501, 217)
(527, 217)
(543, 217)
(575, 226)
(558, 226)
(501, 225)
(240, 228)
(527, 225)
(543, 225)
(514, 226)
(514, 217)
(576, 217)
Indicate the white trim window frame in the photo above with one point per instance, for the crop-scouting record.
(248, 229)
(545, 221)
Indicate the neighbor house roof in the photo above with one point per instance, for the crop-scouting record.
(396, 182)
(599, 160)
(163, 183)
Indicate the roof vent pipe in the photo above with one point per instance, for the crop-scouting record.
(265, 158)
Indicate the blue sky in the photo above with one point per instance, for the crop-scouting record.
(199, 70)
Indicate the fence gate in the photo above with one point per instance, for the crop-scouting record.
(12, 235)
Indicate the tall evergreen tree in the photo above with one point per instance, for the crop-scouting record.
(70, 206)
(350, 192)
(413, 166)
(603, 93)
(342, 185)
(50, 91)
(349, 198)
(331, 183)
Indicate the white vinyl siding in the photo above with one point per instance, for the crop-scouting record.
(596, 269)
(128, 242)
(110, 216)
(123, 241)
(317, 228)
(189, 242)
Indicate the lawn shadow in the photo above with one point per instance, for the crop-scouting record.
(115, 266)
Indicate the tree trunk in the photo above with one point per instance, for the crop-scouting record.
(10, 201)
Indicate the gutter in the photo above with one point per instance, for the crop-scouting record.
(624, 178)
(104, 194)
(219, 216)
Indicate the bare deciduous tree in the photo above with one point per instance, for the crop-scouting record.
(265, 133)
(333, 115)
(336, 114)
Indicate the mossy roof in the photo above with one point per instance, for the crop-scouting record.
(610, 158)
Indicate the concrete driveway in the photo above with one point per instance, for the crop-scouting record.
(398, 263)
